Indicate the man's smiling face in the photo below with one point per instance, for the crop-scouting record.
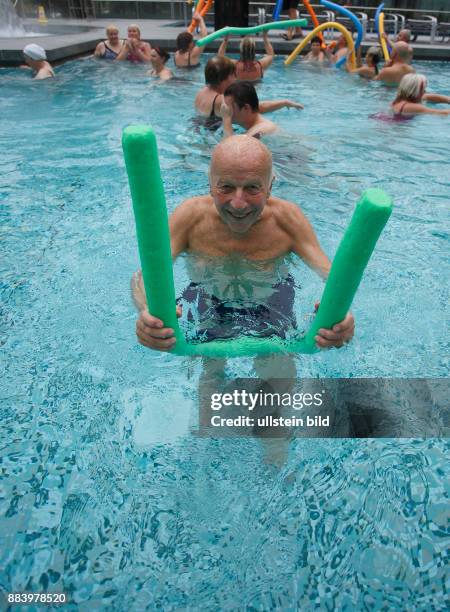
(240, 181)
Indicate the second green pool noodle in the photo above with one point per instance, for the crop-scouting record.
(147, 193)
(232, 31)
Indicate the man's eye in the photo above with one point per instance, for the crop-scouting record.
(253, 189)
(226, 188)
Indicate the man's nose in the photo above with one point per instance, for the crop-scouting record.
(238, 200)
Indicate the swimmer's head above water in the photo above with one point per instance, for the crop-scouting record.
(240, 178)
(220, 71)
(247, 49)
(185, 42)
(402, 52)
(412, 88)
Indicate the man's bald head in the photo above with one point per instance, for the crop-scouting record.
(402, 51)
(404, 35)
(241, 153)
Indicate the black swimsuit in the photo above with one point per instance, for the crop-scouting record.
(189, 66)
(212, 122)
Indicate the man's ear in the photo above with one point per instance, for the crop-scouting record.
(271, 184)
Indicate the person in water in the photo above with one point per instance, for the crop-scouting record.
(134, 49)
(315, 54)
(187, 54)
(399, 65)
(220, 72)
(110, 48)
(403, 36)
(241, 106)
(411, 94)
(36, 59)
(240, 218)
(340, 50)
(248, 68)
(158, 60)
(370, 69)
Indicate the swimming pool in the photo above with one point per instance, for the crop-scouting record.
(105, 494)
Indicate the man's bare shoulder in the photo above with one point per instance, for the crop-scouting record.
(193, 209)
(287, 214)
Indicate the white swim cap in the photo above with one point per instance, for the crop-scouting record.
(35, 52)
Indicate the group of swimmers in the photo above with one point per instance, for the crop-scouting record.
(242, 105)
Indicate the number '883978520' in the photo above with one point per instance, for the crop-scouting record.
(42, 598)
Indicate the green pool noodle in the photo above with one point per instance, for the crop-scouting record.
(232, 31)
(147, 192)
(352, 256)
(152, 224)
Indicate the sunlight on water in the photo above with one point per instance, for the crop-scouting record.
(104, 493)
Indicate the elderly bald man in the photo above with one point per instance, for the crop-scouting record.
(401, 57)
(241, 219)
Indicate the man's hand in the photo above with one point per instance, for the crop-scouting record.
(151, 332)
(226, 111)
(292, 104)
(340, 334)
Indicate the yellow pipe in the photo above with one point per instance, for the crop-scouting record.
(325, 26)
(386, 55)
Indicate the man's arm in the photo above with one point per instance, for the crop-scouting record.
(421, 109)
(270, 53)
(268, 106)
(197, 51)
(226, 114)
(306, 246)
(436, 98)
(223, 47)
(304, 241)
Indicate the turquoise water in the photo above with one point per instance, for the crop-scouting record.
(104, 492)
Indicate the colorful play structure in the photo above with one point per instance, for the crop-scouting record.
(203, 6)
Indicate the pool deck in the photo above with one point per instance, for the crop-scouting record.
(161, 32)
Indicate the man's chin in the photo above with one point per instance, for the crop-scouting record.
(238, 227)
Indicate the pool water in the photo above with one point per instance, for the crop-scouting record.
(105, 494)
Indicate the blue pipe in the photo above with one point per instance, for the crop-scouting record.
(377, 16)
(350, 15)
(277, 10)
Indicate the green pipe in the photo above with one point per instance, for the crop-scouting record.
(152, 228)
(232, 31)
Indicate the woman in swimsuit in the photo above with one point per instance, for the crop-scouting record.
(110, 48)
(134, 49)
(187, 54)
(247, 67)
(411, 94)
(219, 73)
(370, 69)
(158, 59)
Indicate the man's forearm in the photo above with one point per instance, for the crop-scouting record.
(227, 127)
(268, 106)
